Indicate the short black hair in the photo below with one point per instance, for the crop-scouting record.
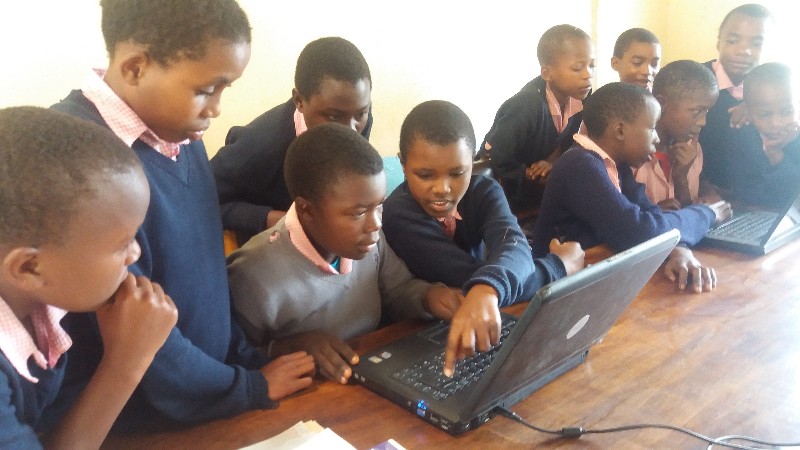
(173, 29)
(319, 157)
(753, 10)
(331, 57)
(552, 41)
(50, 161)
(772, 74)
(628, 37)
(683, 78)
(612, 102)
(436, 121)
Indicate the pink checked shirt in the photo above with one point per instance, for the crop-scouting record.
(611, 166)
(300, 240)
(561, 118)
(724, 81)
(122, 120)
(18, 345)
(658, 188)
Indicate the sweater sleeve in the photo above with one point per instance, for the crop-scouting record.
(508, 140)
(624, 219)
(13, 433)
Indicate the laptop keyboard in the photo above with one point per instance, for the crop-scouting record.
(426, 375)
(750, 227)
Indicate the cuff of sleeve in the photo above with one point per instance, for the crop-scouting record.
(259, 391)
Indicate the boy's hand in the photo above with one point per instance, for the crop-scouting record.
(773, 148)
(442, 302)
(134, 323)
(681, 265)
(670, 204)
(538, 170)
(288, 374)
(571, 254)
(331, 355)
(683, 155)
(739, 116)
(476, 325)
(722, 211)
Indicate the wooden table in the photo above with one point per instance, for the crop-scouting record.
(719, 363)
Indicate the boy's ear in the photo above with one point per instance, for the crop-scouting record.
(662, 102)
(615, 63)
(304, 208)
(297, 99)
(133, 66)
(618, 129)
(547, 73)
(21, 268)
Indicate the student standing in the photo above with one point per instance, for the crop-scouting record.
(637, 57)
(533, 128)
(160, 91)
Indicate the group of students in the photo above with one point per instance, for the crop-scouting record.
(110, 210)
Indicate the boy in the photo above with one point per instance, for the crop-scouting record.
(764, 163)
(324, 273)
(685, 90)
(741, 38)
(65, 243)
(637, 57)
(162, 87)
(332, 84)
(593, 198)
(442, 221)
(533, 128)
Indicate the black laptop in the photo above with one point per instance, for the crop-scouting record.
(758, 231)
(553, 335)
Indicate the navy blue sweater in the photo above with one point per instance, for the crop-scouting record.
(249, 170)
(22, 403)
(206, 369)
(717, 138)
(523, 132)
(753, 180)
(430, 254)
(582, 204)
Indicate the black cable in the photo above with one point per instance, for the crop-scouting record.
(576, 432)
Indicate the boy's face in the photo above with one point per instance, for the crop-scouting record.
(178, 101)
(771, 110)
(346, 220)
(739, 44)
(438, 175)
(682, 118)
(337, 101)
(639, 64)
(570, 75)
(89, 266)
(640, 138)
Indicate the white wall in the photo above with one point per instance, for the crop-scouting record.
(473, 53)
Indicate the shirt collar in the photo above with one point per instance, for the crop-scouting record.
(561, 118)
(18, 345)
(300, 126)
(724, 81)
(122, 120)
(611, 166)
(300, 240)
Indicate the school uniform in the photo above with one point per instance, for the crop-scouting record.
(717, 136)
(280, 286)
(206, 369)
(487, 246)
(249, 169)
(659, 187)
(591, 200)
(523, 132)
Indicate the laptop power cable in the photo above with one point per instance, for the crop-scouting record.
(576, 432)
